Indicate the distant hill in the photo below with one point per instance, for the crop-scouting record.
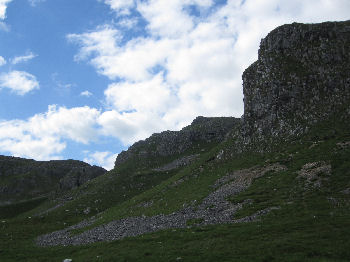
(23, 179)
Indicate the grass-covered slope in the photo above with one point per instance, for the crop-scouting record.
(311, 224)
(139, 173)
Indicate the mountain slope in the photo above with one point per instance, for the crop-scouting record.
(272, 186)
(145, 167)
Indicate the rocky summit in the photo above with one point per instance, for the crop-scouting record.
(271, 186)
(202, 130)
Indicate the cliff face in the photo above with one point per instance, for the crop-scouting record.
(302, 76)
(169, 143)
(25, 178)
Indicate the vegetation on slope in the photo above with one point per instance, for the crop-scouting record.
(311, 225)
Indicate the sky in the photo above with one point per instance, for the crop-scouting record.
(85, 79)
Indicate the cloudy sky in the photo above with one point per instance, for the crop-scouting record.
(84, 79)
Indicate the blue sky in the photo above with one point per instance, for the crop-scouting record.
(84, 79)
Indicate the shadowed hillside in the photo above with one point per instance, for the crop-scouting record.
(23, 179)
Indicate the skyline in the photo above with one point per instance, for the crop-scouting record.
(84, 79)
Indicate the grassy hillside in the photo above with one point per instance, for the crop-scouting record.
(311, 224)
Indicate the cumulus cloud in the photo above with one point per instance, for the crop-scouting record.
(126, 125)
(77, 124)
(23, 59)
(44, 136)
(18, 82)
(86, 93)
(2, 61)
(190, 60)
(46, 148)
(3, 6)
(104, 159)
(168, 18)
(125, 96)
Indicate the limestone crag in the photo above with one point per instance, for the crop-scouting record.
(168, 143)
(302, 76)
(26, 178)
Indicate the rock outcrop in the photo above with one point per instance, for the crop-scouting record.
(26, 178)
(168, 143)
(302, 76)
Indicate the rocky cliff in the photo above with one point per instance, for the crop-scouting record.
(203, 130)
(302, 76)
(26, 178)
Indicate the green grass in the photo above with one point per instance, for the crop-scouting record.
(313, 224)
(290, 235)
(13, 210)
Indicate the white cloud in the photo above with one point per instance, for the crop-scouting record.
(2, 61)
(46, 148)
(77, 124)
(189, 63)
(166, 18)
(127, 96)
(128, 22)
(115, 61)
(126, 125)
(15, 138)
(44, 136)
(170, 18)
(104, 159)
(3, 6)
(18, 82)
(22, 59)
(86, 93)
(122, 7)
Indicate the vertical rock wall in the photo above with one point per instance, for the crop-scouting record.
(302, 76)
